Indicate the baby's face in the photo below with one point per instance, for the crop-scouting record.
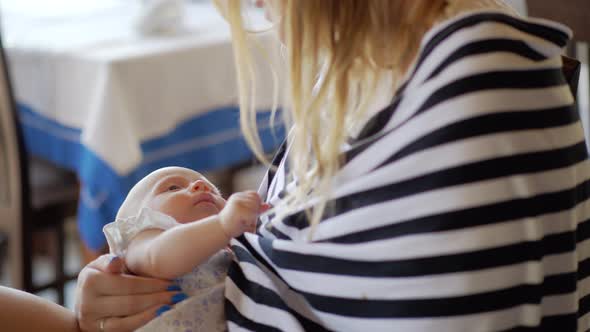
(186, 196)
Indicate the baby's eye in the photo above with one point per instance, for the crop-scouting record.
(173, 187)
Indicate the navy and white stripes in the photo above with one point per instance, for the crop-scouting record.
(463, 206)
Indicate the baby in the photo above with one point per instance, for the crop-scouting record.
(174, 224)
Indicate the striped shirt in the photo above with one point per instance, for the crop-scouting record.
(462, 206)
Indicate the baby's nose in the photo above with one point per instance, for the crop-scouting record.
(200, 185)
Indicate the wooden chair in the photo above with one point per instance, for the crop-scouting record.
(34, 196)
(576, 15)
(571, 71)
(573, 13)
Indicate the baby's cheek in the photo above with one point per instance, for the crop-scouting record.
(221, 203)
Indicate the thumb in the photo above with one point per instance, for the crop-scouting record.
(115, 265)
(109, 263)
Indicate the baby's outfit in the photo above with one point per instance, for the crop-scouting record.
(203, 310)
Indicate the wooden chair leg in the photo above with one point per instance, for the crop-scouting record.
(27, 258)
(583, 54)
(60, 275)
(15, 254)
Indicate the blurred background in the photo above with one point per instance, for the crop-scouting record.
(105, 91)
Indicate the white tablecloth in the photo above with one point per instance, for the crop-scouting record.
(83, 64)
(97, 97)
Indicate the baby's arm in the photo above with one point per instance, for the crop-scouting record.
(174, 252)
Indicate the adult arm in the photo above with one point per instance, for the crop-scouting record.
(22, 311)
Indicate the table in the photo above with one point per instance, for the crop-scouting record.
(99, 99)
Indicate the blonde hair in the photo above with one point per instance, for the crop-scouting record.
(350, 42)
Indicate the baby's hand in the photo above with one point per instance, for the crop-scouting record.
(241, 213)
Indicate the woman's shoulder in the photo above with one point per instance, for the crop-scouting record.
(485, 23)
(486, 40)
(474, 52)
(481, 74)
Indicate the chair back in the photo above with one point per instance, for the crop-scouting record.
(571, 71)
(14, 179)
(573, 13)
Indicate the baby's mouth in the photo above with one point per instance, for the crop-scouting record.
(204, 198)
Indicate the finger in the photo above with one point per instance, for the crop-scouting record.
(251, 200)
(134, 304)
(253, 194)
(108, 263)
(125, 284)
(116, 265)
(247, 195)
(264, 207)
(130, 323)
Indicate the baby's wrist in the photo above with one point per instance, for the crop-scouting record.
(224, 227)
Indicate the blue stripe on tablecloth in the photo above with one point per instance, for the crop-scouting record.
(215, 135)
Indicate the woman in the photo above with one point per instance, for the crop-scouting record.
(441, 178)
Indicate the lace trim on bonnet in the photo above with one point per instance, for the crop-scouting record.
(120, 232)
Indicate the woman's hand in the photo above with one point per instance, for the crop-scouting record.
(117, 301)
